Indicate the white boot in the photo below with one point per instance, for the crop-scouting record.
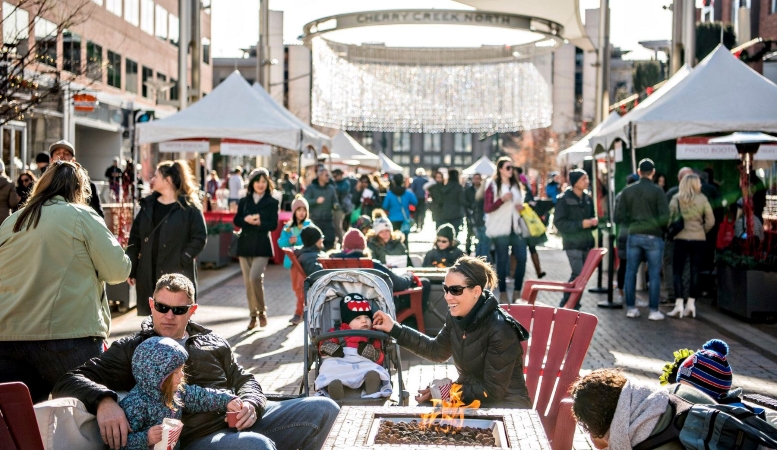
(690, 308)
(678, 309)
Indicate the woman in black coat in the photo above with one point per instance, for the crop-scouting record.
(168, 233)
(485, 342)
(257, 216)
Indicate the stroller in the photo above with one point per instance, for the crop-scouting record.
(323, 291)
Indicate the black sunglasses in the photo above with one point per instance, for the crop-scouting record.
(26, 180)
(442, 241)
(455, 290)
(177, 310)
(508, 168)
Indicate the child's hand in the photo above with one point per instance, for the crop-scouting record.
(154, 434)
(235, 405)
(293, 240)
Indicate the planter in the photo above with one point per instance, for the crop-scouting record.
(747, 293)
(122, 293)
(216, 251)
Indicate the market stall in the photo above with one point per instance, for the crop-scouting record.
(483, 166)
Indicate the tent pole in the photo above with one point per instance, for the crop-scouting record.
(633, 153)
(612, 234)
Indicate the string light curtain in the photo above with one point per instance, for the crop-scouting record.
(374, 88)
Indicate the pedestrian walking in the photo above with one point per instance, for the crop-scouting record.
(341, 217)
(575, 221)
(290, 238)
(113, 175)
(452, 211)
(503, 202)
(623, 240)
(65, 151)
(9, 199)
(42, 161)
(56, 254)
(434, 188)
(322, 198)
(24, 185)
(692, 207)
(483, 247)
(211, 189)
(644, 209)
(257, 217)
(398, 201)
(289, 191)
(553, 189)
(168, 233)
(417, 186)
(367, 196)
(235, 184)
(472, 208)
(533, 241)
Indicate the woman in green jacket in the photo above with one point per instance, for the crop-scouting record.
(56, 254)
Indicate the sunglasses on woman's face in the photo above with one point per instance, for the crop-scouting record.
(454, 290)
(177, 310)
(26, 180)
(442, 241)
(508, 168)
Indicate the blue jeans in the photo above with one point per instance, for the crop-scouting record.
(644, 247)
(483, 247)
(39, 364)
(502, 246)
(302, 423)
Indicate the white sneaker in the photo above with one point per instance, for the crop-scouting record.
(632, 313)
(641, 303)
(656, 315)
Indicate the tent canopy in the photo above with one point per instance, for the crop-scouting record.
(387, 165)
(483, 166)
(347, 148)
(720, 95)
(310, 136)
(233, 110)
(582, 148)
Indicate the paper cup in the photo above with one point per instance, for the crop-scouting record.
(232, 419)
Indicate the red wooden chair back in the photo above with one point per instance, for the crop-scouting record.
(18, 426)
(553, 355)
(346, 263)
(295, 265)
(591, 263)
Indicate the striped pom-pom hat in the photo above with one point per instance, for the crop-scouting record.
(708, 369)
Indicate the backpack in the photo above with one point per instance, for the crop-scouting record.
(713, 427)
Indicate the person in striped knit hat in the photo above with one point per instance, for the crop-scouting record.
(708, 370)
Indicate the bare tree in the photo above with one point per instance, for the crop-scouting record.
(31, 70)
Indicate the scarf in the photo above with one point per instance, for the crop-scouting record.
(639, 408)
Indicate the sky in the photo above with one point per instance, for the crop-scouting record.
(234, 23)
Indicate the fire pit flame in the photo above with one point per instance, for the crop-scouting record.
(451, 412)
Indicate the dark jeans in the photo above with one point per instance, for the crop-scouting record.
(694, 250)
(456, 224)
(576, 261)
(483, 247)
(470, 235)
(420, 214)
(302, 423)
(39, 364)
(644, 247)
(669, 273)
(502, 244)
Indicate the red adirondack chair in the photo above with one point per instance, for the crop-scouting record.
(544, 354)
(18, 426)
(415, 309)
(576, 287)
(295, 265)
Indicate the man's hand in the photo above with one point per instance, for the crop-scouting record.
(154, 434)
(424, 395)
(131, 281)
(113, 423)
(320, 200)
(246, 415)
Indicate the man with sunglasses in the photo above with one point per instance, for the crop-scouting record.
(299, 423)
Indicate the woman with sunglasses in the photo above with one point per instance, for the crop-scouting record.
(169, 231)
(24, 184)
(503, 202)
(485, 342)
(54, 314)
(446, 249)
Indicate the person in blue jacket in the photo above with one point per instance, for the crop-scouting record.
(397, 202)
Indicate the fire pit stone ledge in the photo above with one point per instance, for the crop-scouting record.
(352, 427)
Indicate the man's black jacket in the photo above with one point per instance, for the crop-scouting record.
(211, 364)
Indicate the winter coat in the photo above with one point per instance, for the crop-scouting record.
(321, 214)
(417, 186)
(571, 210)
(379, 250)
(255, 239)
(53, 276)
(23, 193)
(153, 361)
(552, 191)
(368, 203)
(643, 208)
(211, 364)
(486, 350)
(94, 201)
(289, 231)
(400, 282)
(476, 216)
(357, 342)
(502, 219)
(442, 258)
(698, 219)
(343, 188)
(452, 207)
(9, 199)
(394, 206)
(308, 259)
(435, 191)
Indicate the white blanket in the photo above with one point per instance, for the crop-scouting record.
(351, 370)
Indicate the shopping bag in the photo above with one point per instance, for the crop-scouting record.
(533, 222)
(171, 431)
(725, 234)
(355, 214)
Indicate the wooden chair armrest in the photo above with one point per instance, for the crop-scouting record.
(411, 291)
(564, 432)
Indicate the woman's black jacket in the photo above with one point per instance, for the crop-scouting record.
(255, 239)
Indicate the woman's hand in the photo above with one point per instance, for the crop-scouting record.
(131, 281)
(293, 240)
(154, 434)
(507, 197)
(424, 395)
(320, 200)
(382, 322)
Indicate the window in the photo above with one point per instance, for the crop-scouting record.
(113, 6)
(161, 23)
(132, 12)
(462, 149)
(131, 73)
(114, 69)
(94, 61)
(774, 6)
(432, 149)
(46, 41)
(173, 30)
(147, 16)
(401, 147)
(173, 89)
(147, 75)
(71, 49)
(15, 25)
(366, 139)
(206, 51)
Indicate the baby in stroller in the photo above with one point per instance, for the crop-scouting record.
(353, 361)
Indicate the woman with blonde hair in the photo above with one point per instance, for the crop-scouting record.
(690, 205)
(169, 231)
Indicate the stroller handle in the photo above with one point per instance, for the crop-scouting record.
(347, 333)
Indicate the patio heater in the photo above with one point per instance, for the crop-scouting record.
(747, 144)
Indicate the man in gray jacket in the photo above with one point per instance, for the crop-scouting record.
(322, 197)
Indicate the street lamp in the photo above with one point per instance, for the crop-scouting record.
(159, 87)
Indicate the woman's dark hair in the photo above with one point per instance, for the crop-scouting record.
(514, 181)
(476, 271)
(62, 178)
(25, 173)
(183, 180)
(398, 186)
(257, 177)
(595, 399)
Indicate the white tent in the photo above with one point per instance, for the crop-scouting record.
(483, 166)
(577, 152)
(347, 148)
(310, 136)
(721, 94)
(388, 166)
(233, 110)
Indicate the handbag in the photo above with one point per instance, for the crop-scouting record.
(232, 252)
(533, 223)
(676, 226)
